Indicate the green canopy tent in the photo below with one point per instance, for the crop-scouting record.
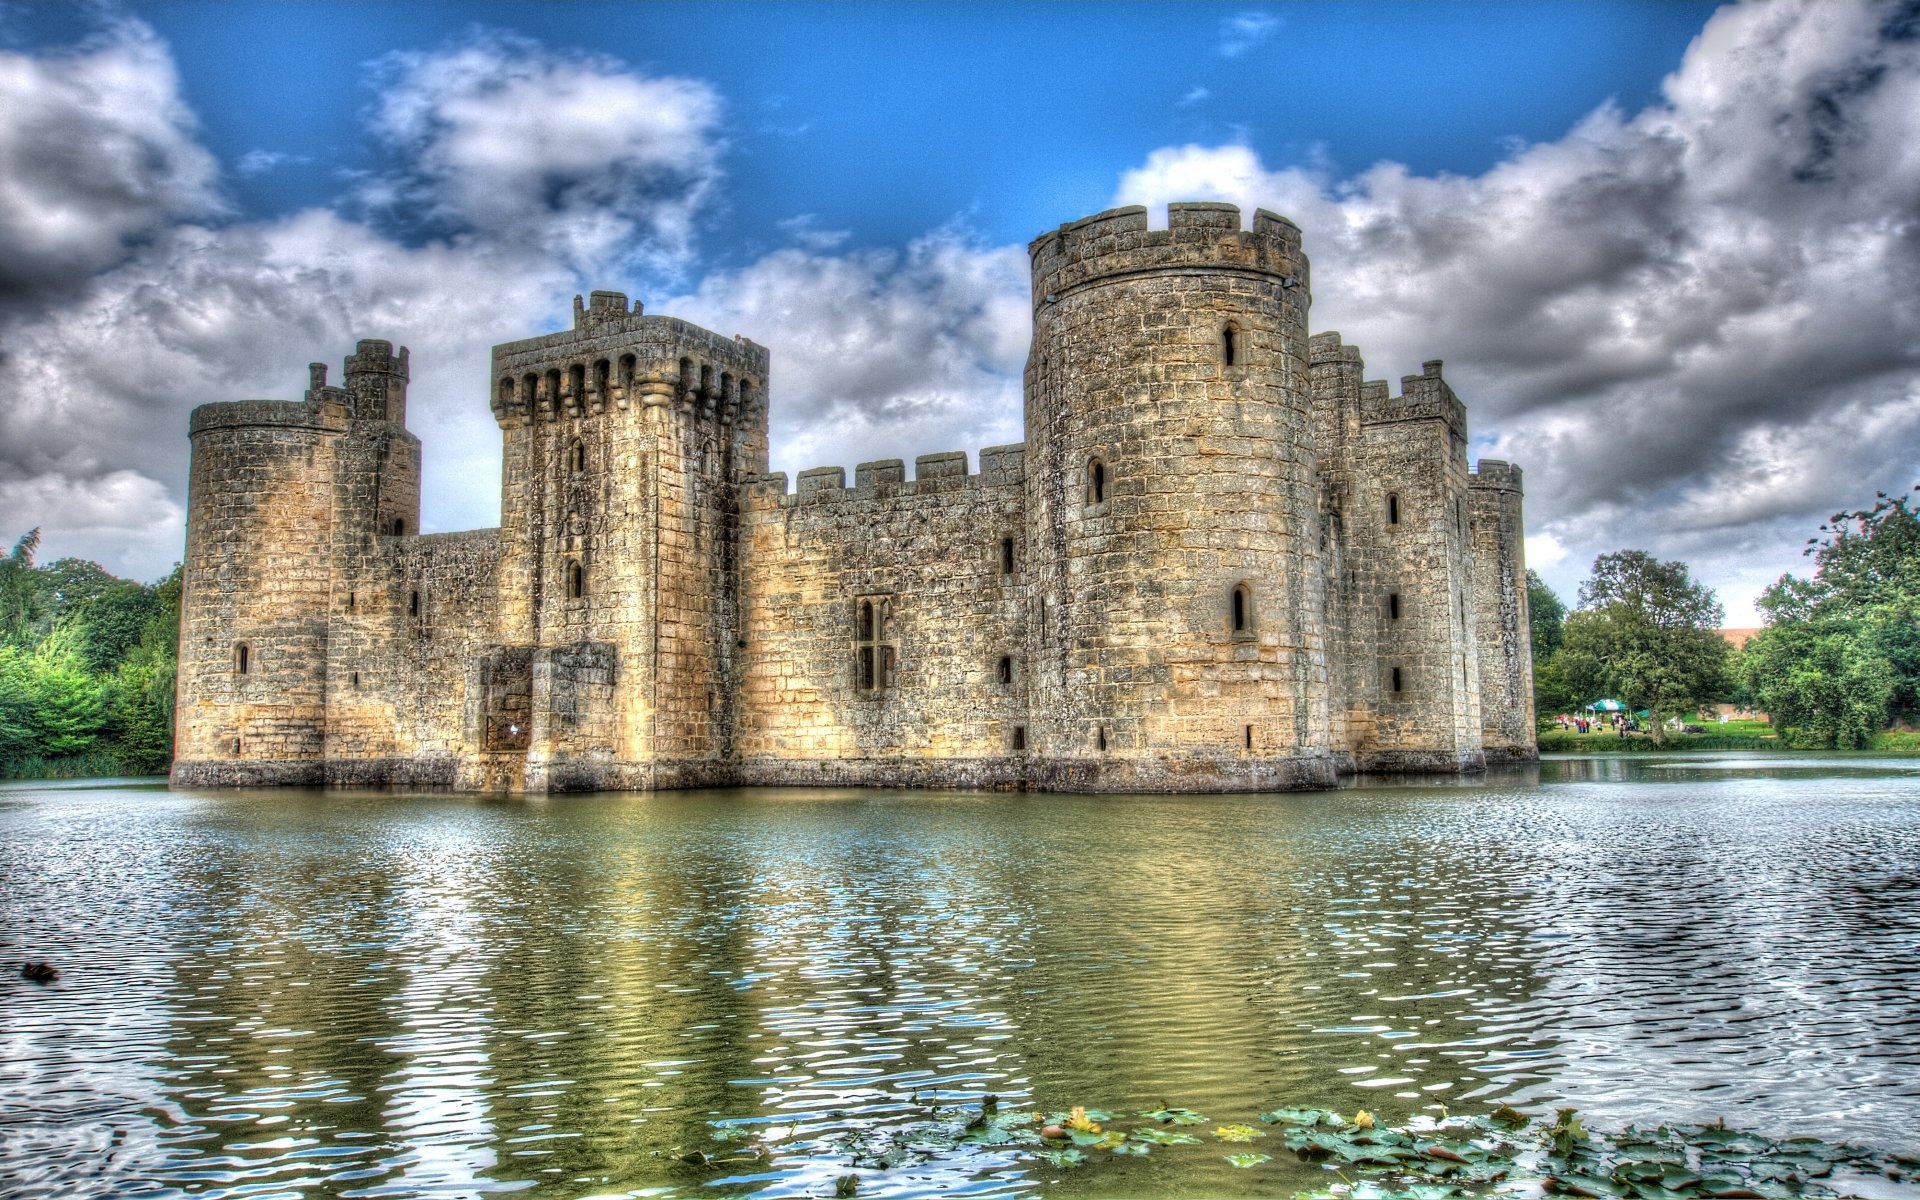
(1606, 706)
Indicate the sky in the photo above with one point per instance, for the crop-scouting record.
(1669, 252)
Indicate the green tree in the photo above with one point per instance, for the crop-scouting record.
(143, 686)
(1821, 682)
(112, 620)
(1648, 635)
(1833, 639)
(1547, 617)
(87, 666)
(71, 702)
(19, 591)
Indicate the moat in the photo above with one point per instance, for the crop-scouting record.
(372, 995)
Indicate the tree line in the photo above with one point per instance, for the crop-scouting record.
(1837, 661)
(87, 666)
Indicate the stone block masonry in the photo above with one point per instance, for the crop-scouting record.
(1221, 561)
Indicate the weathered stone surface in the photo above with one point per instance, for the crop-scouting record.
(1221, 561)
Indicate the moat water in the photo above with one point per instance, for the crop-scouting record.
(379, 995)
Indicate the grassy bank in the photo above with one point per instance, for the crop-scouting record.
(92, 764)
(1734, 735)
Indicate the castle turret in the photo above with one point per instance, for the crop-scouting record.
(1502, 626)
(625, 437)
(1173, 499)
(251, 691)
(377, 381)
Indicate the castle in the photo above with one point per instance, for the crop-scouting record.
(1221, 561)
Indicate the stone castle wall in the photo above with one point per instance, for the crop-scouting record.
(1222, 560)
(885, 625)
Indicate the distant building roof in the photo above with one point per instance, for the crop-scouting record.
(1739, 637)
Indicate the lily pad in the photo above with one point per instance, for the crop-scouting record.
(1237, 1133)
(1248, 1160)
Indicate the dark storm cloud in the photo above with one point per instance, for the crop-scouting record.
(96, 153)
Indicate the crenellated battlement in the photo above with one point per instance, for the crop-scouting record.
(374, 388)
(932, 473)
(1327, 348)
(314, 416)
(1423, 397)
(1493, 474)
(375, 356)
(616, 358)
(1199, 237)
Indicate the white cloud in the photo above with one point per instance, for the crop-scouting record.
(1195, 95)
(98, 387)
(878, 354)
(576, 153)
(1243, 31)
(96, 151)
(1696, 327)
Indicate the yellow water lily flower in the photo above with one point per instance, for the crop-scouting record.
(1363, 1119)
(1077, 1119)
(1237, 1133)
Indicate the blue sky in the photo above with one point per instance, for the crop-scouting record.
(1669, 251)
(884, 119)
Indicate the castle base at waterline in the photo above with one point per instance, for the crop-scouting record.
(1222, 560)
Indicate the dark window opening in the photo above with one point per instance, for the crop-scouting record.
(876, 652)
(350, 601)
(1019, 738)
(576, 581)
(236, 746)
(1006, 556)
(413, 604)
(1393, 605)
(1240, 613)
(506, 391)
(1005, 670)
(1393, 510)
(577, 457)
(1096, 482)
(1100, 737)
(1228, 348)
(399, 527)
(242, 658)
(1396, 679)
(1249, 736)
(353, 680)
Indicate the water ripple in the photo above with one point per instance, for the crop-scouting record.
(275, 993)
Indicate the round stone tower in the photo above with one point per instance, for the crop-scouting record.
(254, 597)
(1173, 507)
